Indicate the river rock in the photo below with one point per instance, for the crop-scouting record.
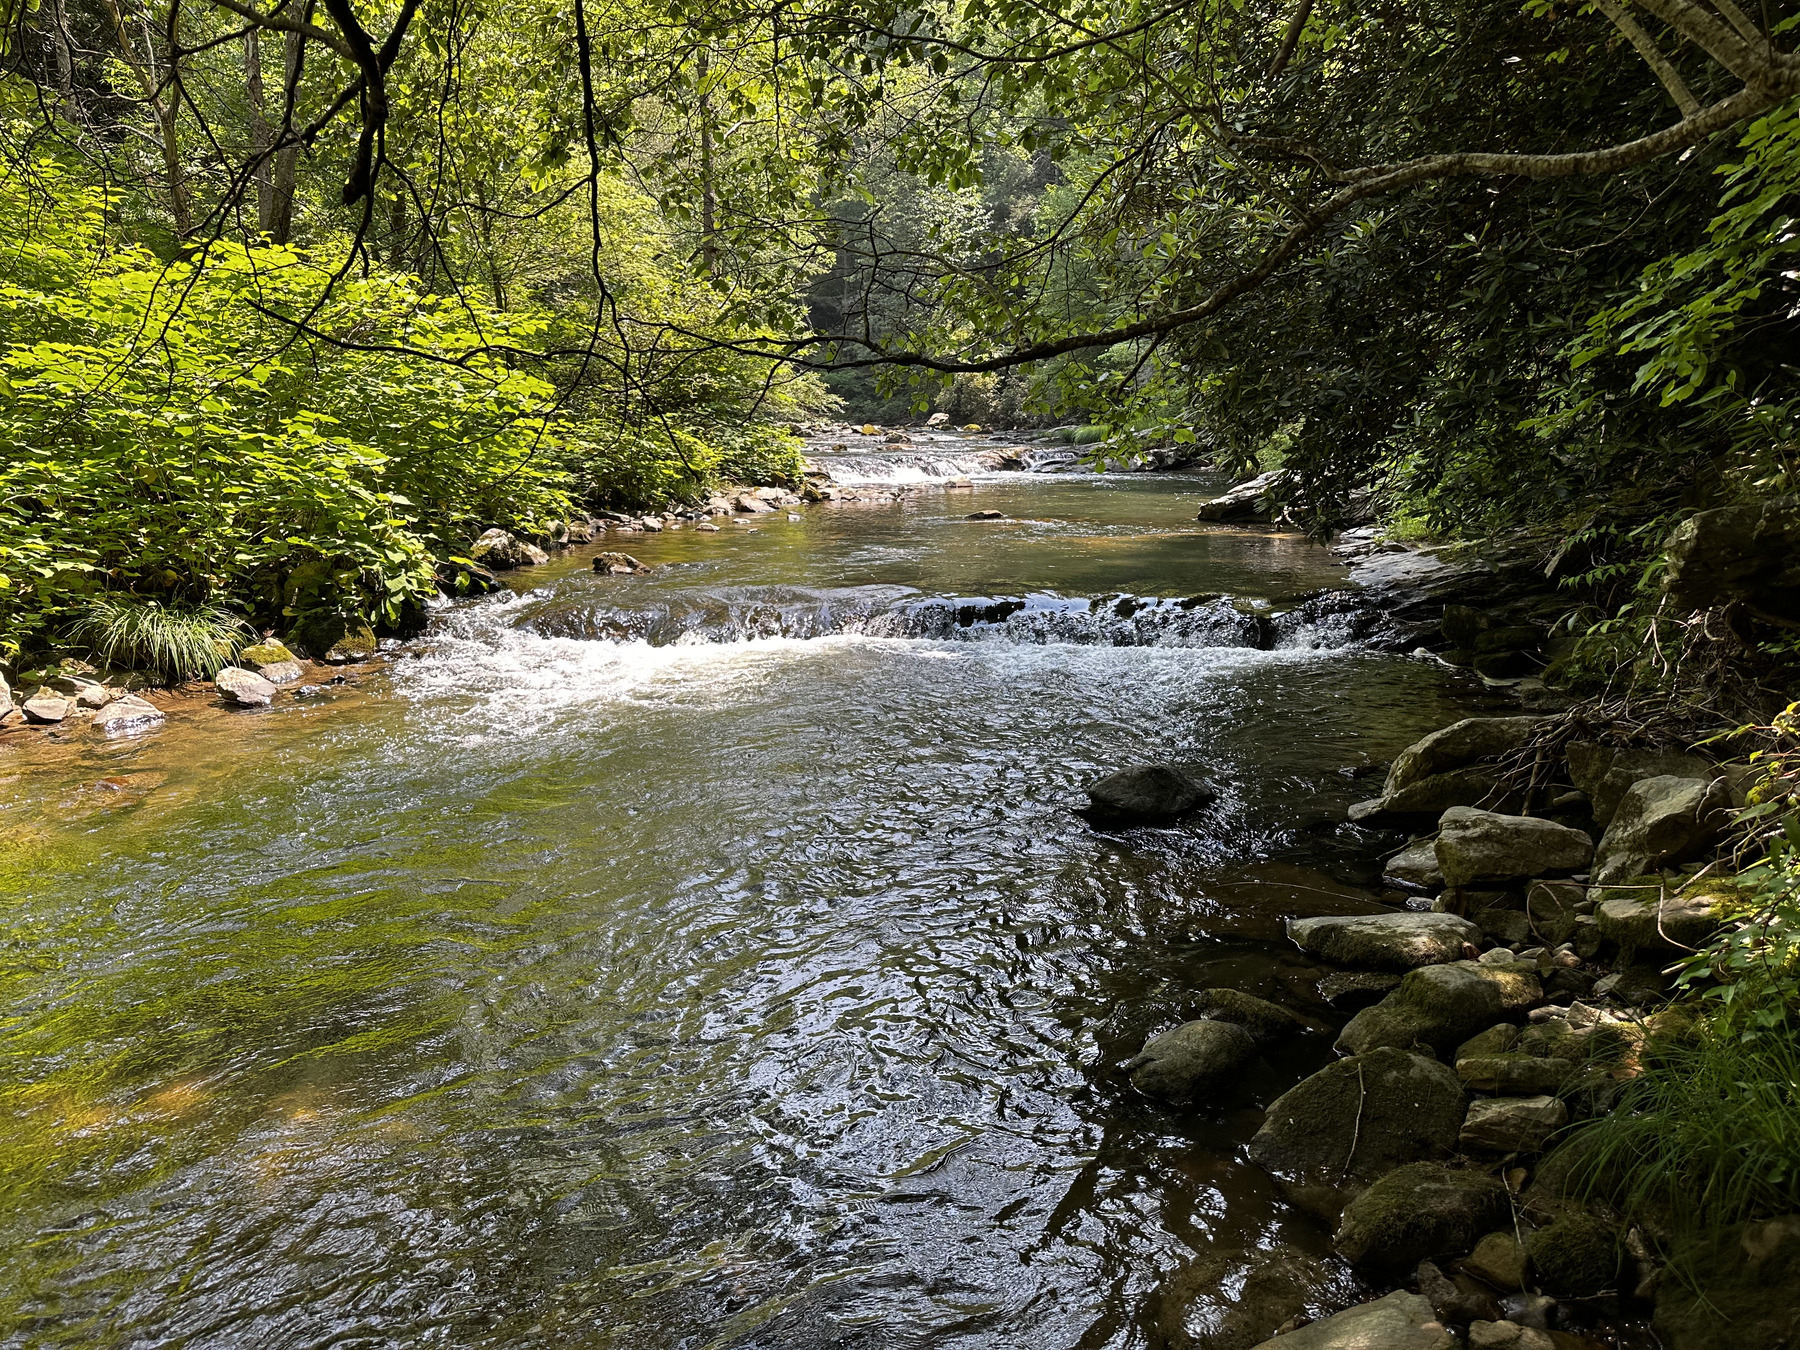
(1401, 1321)
(581, 531)
(938, 419)
(617, 563)
(1434, 795)
(1509, 1335)
(1651, 915)
(1193, 1060)
(1748, 553)
(1415, 865)
(1360, 1117)
(94, 696)
(1416, 1212)
(1441, 1006)
(130, 713)
(1265, 1021)
(1554, 909)
(1606, 772)
(355, 643)
(1660, 821)
(1244, 502)
(1455, 746)
(1456, 1301)
(1348, 990)
(500, 551)
(749, 502)
(1145, 794)
(1512, 1124)
(1498, 1039)
(1386, 941)
(461, 578)
(1576, 1256)
(1500, 1260)
(273, 661)
(1515, 1074)
(1741, 1291)
(1232, 1300)
(245, 688)
(47, 707)
(1486, 846)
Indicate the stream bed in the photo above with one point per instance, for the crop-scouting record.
(699, 959)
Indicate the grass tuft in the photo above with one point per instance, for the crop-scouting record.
(1707, 1136)
(175, 641)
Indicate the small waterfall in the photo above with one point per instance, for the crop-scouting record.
(742, 614)
(921, 466)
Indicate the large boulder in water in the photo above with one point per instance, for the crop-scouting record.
(1661, 820)
(1247, 501)
(1417, 1212)
(1442, 1006)
(1487, 846)
(1384, 941)
(1193, 1060)
(1401, 1321)
(1360, 1117)
(500, 551)
(130, 713)
(1145, 794)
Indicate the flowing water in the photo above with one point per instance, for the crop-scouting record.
(705, 958)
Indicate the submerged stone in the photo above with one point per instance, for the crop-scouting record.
(1145, 794)
(1193, 1060)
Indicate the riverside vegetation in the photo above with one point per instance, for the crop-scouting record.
(315, 314)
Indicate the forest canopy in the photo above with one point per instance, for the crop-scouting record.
(450, 265)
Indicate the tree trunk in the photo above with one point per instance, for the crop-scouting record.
(143, 66)
(280, 226)
(709, 193)
(261, 157)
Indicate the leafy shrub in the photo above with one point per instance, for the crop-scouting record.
(169, 432)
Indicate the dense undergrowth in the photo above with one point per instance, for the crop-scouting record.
(242, 432)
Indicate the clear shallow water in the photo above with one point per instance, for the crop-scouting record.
(533, 990)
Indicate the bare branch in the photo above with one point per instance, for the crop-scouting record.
(1653, 57)
(1740, 21)
(1291, 38)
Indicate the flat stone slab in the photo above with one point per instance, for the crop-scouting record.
(1401, 1321)
(1384, 941)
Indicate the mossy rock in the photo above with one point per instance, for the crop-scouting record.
(1653, 914)
(1360, 1117)
(1442, 1006)
(1576, 1256)
(1515, 1075)
(330, 637)
(265, 653)
(1417, 1212)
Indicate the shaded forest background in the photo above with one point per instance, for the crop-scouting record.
(300, 298)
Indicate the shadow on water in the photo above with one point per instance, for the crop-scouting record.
(544, 989)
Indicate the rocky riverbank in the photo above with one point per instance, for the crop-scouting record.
(1519, 981)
